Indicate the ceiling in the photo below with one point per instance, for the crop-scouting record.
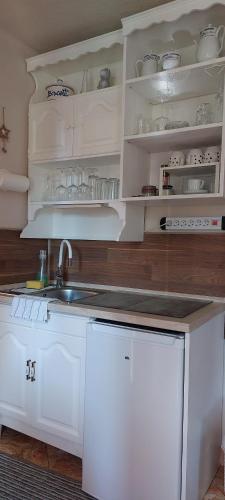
(49, 24)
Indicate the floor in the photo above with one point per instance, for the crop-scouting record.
(32, 450)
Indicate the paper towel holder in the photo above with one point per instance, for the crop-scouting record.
(13, 182)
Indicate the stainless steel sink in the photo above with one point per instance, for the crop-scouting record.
(66, 294)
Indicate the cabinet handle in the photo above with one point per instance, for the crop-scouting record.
(68, 127)
(28, 367)
(32, 378)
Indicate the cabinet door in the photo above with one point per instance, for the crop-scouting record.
(59, 386)
(51, 129)
(107, 439)
(14, 387)
(98, 122)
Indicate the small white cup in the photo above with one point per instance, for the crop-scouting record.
(195, 185)
(194, 157)
(176, 159)
(212, 154)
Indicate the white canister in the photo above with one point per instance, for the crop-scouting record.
(195, 157)
(212, 154)
(148, 65)
(170, 60)
(177, 158)
(58, 89)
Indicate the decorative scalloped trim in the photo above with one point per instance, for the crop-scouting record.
(165, 13)
(72, 52)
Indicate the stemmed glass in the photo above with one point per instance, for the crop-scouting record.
(72, 188)
(61, 189)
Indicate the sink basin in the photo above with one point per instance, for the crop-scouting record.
(66, 294)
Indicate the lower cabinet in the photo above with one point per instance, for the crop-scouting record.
(42, 375)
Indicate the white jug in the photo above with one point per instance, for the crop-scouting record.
(211, 42)
(147, 66)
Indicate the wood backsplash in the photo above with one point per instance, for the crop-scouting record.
(186, 263)
(18, 257)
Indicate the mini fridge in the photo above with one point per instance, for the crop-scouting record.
(133, 413)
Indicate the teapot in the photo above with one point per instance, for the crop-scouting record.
(210, 44)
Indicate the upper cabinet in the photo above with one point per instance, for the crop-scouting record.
(51, 130)
(98, 117)
(72, 127)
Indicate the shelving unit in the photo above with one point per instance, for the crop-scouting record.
(88, 133)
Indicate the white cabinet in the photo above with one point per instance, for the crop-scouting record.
(51, 130)
(99, 122)
(76, 126)
(59, 387)
(42, 373)
(14, 356)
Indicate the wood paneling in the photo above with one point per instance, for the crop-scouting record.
(18, 257)
(186, 263)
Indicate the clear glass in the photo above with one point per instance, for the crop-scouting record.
(72, 188)
(203, 114)
(92, 186)
(61, 190)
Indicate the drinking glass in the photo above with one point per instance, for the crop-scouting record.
(72, 188)
(92, 178)
(203, 114)
(61, 190)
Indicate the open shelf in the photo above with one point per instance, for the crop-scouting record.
(165, 140)
(184, 82)
(179, 198)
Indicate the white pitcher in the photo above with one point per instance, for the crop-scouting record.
(211, 42)
(148, 65)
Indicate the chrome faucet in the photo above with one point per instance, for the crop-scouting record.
(59, 272)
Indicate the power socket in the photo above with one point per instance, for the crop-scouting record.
(216, 223)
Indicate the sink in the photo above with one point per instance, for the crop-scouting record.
(66, 294)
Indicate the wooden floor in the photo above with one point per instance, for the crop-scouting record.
(36, 452)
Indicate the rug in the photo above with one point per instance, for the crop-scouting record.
(23, 481)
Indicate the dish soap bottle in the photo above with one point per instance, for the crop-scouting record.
(42, 274)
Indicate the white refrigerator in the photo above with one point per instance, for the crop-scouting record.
(133, 413)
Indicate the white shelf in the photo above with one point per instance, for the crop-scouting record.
(202, 168)
(184, 82)
(179, 198)
(182, 138)
(71, 204)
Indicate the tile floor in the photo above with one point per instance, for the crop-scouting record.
(32, 450)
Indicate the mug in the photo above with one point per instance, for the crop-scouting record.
(147, 66)
(177, 158)
(194, 157)
(170, 60)
(212, 154)
(195, 185)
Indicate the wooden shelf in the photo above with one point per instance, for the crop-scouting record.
(182, 138)
(184, 82)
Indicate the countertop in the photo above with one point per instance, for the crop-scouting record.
(184, 325)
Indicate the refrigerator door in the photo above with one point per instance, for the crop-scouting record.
(133, 414)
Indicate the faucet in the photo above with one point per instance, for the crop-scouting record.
(59, 272)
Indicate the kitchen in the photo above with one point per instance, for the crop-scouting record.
(142, 253)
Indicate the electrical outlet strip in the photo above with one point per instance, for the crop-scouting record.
(193, 223)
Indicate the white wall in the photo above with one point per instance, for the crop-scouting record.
(16, 87)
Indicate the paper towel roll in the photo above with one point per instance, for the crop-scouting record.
(13, 182)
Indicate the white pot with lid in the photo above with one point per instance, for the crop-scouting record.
(59, 89)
